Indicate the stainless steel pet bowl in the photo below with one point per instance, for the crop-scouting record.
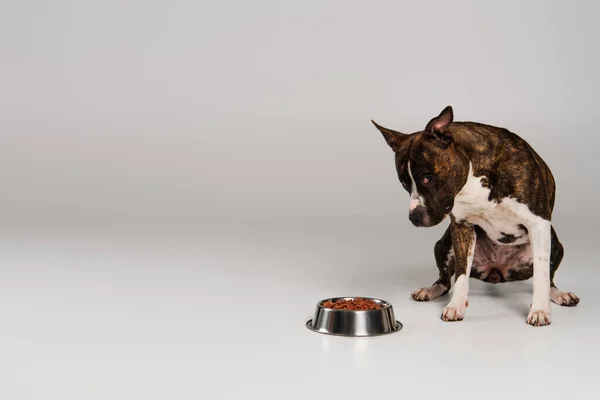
(354, 323)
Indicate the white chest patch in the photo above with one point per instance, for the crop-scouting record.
(503, 222)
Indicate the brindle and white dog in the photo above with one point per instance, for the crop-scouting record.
(499, 194)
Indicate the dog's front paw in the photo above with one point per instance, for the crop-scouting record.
(429, 293)
(538, 318)
(452, 313)
(565, 299)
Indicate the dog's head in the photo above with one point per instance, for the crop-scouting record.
(429, 167)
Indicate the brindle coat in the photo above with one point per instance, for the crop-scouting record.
(443, 155)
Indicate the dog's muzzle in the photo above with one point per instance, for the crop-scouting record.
(418, 216)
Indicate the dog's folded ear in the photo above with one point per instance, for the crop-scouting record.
(393, 138)
(438, 126)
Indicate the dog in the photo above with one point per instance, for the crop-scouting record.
(499, 195)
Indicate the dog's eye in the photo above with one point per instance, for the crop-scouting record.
(426, 179)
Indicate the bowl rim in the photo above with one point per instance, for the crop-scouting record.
(387, 304)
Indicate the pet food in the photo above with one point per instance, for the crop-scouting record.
(356, 303)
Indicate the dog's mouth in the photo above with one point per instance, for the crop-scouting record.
(448, 207)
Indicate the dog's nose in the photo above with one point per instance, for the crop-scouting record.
(416, 217)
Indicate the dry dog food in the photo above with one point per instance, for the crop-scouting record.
(353, 304)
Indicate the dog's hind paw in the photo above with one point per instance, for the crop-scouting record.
(565, 299)
(429, 293)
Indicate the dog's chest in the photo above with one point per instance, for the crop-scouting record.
(500, 221)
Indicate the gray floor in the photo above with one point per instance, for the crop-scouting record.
(216, 310)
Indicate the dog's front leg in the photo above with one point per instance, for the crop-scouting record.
(540, 239)
(463, 242)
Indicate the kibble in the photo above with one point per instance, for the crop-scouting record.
(356, 303)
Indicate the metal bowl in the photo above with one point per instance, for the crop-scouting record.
(354, 323)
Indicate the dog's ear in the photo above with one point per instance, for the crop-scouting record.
(438, 126)
(393, 138)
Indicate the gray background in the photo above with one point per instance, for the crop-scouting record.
(159, 155)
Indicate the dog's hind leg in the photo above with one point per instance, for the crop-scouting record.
(444, 259)
(566, 299)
